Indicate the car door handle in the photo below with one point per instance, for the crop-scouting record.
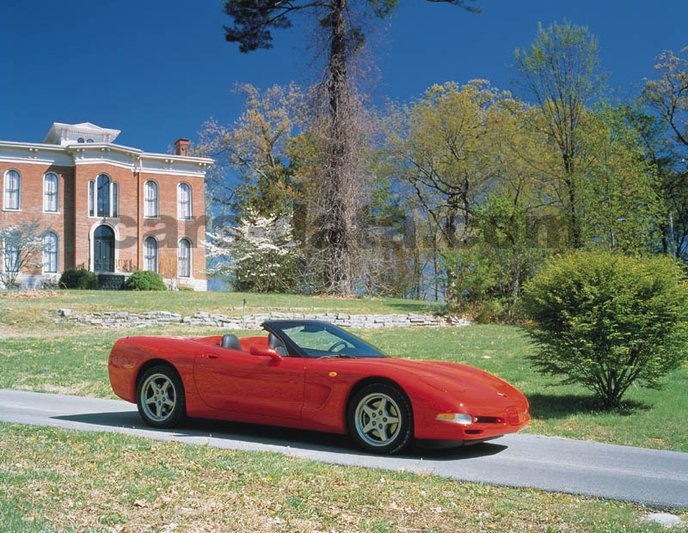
(210, 356)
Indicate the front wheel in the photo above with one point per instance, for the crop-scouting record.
(380, 419)
(160, 397)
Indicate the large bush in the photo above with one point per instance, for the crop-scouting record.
(78, 279)
(608, 321)
(145, 280)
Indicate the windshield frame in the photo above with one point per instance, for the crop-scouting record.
(278, 327)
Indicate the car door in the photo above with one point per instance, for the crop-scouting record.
(250, 387)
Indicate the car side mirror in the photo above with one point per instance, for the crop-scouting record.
(265, 351)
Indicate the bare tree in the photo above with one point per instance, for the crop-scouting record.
(344, 37)
(669, 94)
(22, 247)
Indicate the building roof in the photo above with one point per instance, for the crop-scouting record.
(85, 143)
(63, 134)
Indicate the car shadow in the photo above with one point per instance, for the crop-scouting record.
(278, 436)
(553, 406)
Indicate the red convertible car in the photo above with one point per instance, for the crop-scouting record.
(313, 375)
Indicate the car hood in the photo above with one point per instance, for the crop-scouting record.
(450, 377)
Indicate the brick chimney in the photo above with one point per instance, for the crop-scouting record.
(181, 147)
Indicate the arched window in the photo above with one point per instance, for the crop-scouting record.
(50, 185)
(12, 189)
(50, 252)
(150, 196)
(184, 201)
(103, 197)
(103, 192)
(184, 259)
(150, 257)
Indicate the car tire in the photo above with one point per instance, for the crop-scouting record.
(380, 419)
(160, 397)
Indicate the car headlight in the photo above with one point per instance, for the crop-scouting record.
(456, 418)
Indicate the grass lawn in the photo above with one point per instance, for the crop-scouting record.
(56, 479)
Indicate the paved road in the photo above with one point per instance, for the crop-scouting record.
(654, 477)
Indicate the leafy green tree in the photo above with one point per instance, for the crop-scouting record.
(665, 133)
(438, 147)
(621, 205)
(561, 71)
(466, 154)
(339, 20)
(608, 321)
(508, 236)
(255, 148)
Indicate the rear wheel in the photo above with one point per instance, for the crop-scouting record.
(380, 419)
(160, 397)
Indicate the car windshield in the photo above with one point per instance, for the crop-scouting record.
(317, 339)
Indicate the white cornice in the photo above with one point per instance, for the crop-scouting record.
(30, 146)
(177, 158)
(103, 153)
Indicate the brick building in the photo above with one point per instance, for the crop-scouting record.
(107, 208)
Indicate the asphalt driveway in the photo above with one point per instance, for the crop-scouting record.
(654, 477)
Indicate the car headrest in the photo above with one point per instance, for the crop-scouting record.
(273, 341)
(277, 344)
(231, 342)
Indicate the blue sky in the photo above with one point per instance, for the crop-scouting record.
(156, 69)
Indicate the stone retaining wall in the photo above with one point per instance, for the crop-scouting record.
(124, 319)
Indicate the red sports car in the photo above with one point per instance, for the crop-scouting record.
(313, 375)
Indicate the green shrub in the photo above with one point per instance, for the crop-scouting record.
(78, 279)
(607, 321)
(471, 276)
(145, 280)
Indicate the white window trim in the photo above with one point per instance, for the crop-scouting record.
(179, 203)
(57, 253)
(179, 242)
(156, 215)
(4, 191)
(57, 193)
(114, 192)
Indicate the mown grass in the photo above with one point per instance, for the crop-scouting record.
(57, 479)
(75, 362)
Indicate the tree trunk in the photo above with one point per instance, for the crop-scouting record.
(574, 219)
(338, 217)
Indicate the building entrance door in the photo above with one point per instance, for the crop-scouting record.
(104, 249)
